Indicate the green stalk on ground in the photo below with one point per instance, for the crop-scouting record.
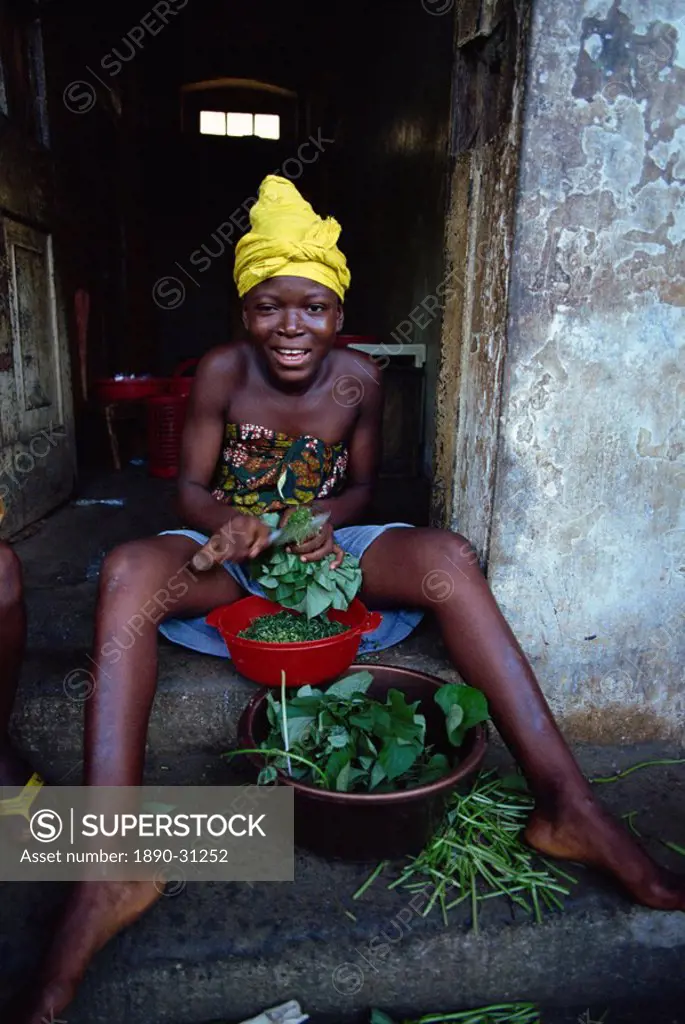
(478, 855)
(630, 816)
(635, 768)
(499, 1013)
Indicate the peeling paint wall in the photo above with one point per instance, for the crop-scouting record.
(586, 555)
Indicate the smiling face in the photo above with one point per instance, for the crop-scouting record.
(293, 322)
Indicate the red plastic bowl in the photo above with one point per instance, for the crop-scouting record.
(313, 662)
(108, 390)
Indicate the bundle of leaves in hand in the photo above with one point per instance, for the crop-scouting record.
(289, 628)
(344, 740)
(308, 587)
(300, 524)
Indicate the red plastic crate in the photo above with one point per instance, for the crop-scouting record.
(166, 418)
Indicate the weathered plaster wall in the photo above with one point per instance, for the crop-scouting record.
(586, 554)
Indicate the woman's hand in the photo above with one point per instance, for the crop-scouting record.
(317, 547)
(239, 539)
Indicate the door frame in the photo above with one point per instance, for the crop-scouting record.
(487, 113)
(37, 466)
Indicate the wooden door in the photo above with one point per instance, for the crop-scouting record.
(37, 451)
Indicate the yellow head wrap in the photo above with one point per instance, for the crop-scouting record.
(289, 240)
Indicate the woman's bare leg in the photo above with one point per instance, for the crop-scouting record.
(14, 771)
(137, 579)
(437, 570)
(150, 577)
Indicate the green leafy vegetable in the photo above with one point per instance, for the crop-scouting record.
(395, 760)
(359, 744)
(312, 588)
(359, 682)
(464, 707)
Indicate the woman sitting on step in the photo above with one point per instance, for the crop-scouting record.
(268, 427)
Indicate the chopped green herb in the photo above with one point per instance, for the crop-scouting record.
(290, 628)
(300, 522)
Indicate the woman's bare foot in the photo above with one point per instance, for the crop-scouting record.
(583, 831)
(96, 911)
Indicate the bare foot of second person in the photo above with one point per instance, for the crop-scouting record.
(95, 913)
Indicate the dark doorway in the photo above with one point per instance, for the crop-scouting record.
(362, 92)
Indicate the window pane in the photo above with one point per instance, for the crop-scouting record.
(239, 124)
(212, 122)
(267, 126)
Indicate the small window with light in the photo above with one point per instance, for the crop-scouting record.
(237, 124)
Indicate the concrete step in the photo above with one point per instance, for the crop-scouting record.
(223, 951)
(197, 706)
(619, 1012)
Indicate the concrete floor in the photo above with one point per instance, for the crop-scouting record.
(221, 951)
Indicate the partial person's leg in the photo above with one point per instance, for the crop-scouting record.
(136, 578)
(437, 570)
(14, 771)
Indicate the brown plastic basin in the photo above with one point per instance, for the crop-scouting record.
(367, 826)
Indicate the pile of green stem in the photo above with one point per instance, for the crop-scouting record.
(477, 855)
(290, 628)
(500, 1013)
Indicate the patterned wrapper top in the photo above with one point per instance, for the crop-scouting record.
(261, 470)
